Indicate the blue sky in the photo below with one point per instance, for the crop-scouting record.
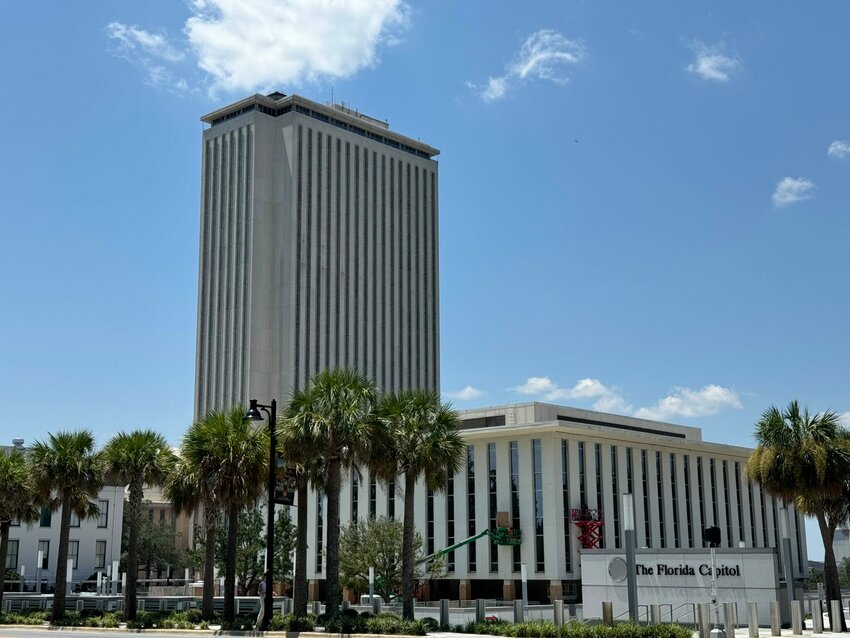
(644, 206)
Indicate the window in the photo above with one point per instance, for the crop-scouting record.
(491, 503)
(391, 499)
(728, 504)
(103, 518)
(320, 497)
(15, 523)
(100, 553)
(75, 519)
(582, 482)
(74, 552)
(470, 503)
(645, 481)
(450, 521)
(12, 555)
(659, 484)
(677, 539)
(565, 495)
(430, 525)
(537, 466)
(701, 495)
(752, 513)
(689, 517)
(46, 517)
(354, 490)
(741, 535)
(44, 548)
(616, 489)
(517, 556)
(373, 497)
(162, 515)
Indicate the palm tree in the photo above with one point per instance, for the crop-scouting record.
(416, 435)
(136, 459)
(228, 455)
(68, 474)
(17, 501)
(188, 493)
(333, 415)
(805, 459)
(309, 469)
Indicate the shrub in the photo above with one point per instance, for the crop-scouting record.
(34, 617)
(346, 621)
(547, 629)
(291, 622)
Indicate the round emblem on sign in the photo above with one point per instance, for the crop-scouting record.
(617, 569)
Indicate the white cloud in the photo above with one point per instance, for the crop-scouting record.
(260, 44)
(791, 190)
(606, 399)
(545, 55)
(150, 52)
(467, 394)
(711, 62)
(844, 417)
(684, 402)
(256, 45)
(839, 149)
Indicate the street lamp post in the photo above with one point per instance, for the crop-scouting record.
(631, 578)
(786, 558)
(254, 414)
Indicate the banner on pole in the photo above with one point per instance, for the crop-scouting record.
(285, 483)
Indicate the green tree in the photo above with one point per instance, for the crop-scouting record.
(156, 543)
(68, 474)
(416, 435)
(285, 538)
(229, 456)
(332, 416)
(17, 501)
(136, 459)
(189, 493)
(378, 543)
(805, 459)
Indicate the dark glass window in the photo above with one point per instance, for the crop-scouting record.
(12, 554)
(491, 503)
(739, 493)
(430, 525)
(46, 517)
(373, 497)
(450, 521)
(100, 553)
(729, 540)
(674, 502)
(517, 558)
(44, 548)
(565, 495)
(645, 480)
(659, 486)
(615, 484)
(582, 476)
(688, 513)
(320, 529)
(355, 488)
(537, 464)
(391, 499)
(470, 505)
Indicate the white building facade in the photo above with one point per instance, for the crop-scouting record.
(543, 464)
(94, 543)
(318, 250)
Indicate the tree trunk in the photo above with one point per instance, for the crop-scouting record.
(299, 589)
(58, 612)
(210, 519)
(407, 549)
(334, 594)
(4, 547)
(230, 564)
(135, 511)
(830, 571)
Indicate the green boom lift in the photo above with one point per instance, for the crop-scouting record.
(500, 536)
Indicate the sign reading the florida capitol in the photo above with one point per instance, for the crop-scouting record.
(663, 569)
(679, 578)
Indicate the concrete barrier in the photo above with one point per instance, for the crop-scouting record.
(608, 613)
(753, 619)
(518, 611)
(775, 618)
(558, 612)
(704, 615)
(797, 617)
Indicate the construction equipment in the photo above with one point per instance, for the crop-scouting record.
(590, 521)
(500, 536)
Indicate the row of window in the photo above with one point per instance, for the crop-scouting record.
(46, 518)
(12, 553)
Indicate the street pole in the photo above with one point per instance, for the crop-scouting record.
(253, 414)
(786, 558)
(631, 566)
(269, 603)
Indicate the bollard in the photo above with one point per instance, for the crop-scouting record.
(558, 612)
(518, 615)
(775, 619)
(480, 610)
(729, 618)
(377, 604)
(797, 618)
(571, 612)
(287, 606)
(835, 616)
(753, 619)
(345, 605)
(704, 620)
(444, 612)
(655, 614)
(817, 617)
(317, 608)
(608, 613)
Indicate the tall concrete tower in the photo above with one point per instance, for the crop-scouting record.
(318, 250)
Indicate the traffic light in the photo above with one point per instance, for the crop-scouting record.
(711, 536)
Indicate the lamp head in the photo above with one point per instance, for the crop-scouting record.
(253, 413)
